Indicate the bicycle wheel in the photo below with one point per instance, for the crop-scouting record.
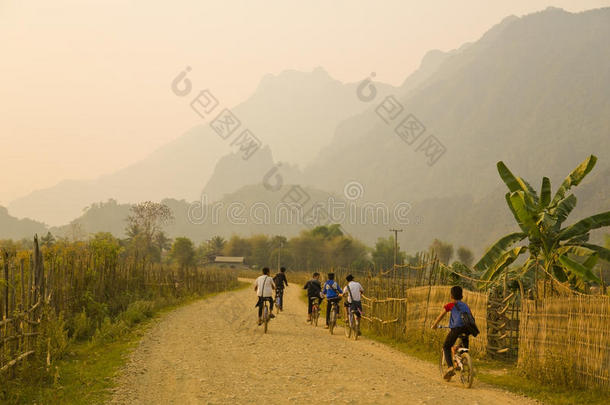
(266, 316)
(348, 326)
(333, 320)
(356, 327)
(467, 372)
(315, 314)
(442, 364)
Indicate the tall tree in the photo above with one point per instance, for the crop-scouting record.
(162, 242)
(183, 252)
(465, 256)
(144, 226)
(48, 240)
(148, 218)
(443, 251)
(238, 246)
(383, 254)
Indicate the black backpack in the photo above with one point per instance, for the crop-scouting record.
(469, 323)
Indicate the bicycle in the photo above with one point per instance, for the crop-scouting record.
(334, 310)
(266, 315)
(462, 363)
(315, 312)
(352, 326)
(279, 299)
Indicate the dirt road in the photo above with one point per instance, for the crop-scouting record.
(212, 352)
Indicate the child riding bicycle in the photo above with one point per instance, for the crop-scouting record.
(457, 326)
(314, 289)
(332, 292)
(264, 287)
(280, 280)
(354, 291)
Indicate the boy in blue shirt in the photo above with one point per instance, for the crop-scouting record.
(333, 292)
(456, 307)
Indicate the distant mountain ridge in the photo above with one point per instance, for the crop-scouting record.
(14, 228)
(293, 113)
(532, 87)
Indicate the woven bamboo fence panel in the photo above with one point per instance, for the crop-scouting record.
(567, 340)
(410, 316)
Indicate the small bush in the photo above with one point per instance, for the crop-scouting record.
(53, 341)
(137, 312)
(109, 331)
(81, 326)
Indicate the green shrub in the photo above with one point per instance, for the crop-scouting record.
(52, 343)
(81, 326)
(109, 331)
(137, 312)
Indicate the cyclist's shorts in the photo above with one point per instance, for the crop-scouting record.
(356, 306)
(315, 300)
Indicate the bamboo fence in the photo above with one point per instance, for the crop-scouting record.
(567, 340)
(409, 317)
(73, 278)
(401, 303)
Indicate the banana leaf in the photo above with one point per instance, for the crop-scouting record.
(512, 210)
(576, 250)
(602, 252)
(578, 269)
(523, 214)
(585, 225)
(512, 182)
(545, 192)
(505, 260)
(498, 249)
(564, 208)
(574, 178)
(531, 193)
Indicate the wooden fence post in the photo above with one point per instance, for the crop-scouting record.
(6, 286)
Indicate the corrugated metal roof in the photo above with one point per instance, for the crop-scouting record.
(228, 259)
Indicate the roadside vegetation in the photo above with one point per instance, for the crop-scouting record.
(71, 308)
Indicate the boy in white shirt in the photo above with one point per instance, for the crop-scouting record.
(354, 292)
(264, 287)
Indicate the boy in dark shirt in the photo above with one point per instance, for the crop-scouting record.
(280, 281)
(456, 307)
(313, 288)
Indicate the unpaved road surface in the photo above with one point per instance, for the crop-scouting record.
(212, 352)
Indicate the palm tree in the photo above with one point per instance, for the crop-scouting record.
(564, 254)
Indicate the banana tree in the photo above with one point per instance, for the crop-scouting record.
(562, 253)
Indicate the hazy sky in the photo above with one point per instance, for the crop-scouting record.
(85, 85)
